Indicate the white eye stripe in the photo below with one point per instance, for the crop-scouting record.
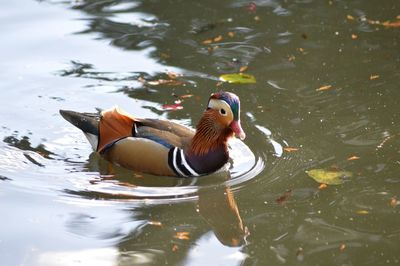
(218, 104)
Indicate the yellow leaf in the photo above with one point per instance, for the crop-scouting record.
(354, 36)
(209, 41)
(231, 34)
(362, 212)
(238, 78)
(324, 88)
(350, 17)
(328, 177)
(372, 77)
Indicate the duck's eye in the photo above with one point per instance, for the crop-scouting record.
(222, 111)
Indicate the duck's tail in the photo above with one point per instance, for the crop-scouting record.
(87, 122)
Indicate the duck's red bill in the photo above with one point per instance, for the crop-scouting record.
(237, 129)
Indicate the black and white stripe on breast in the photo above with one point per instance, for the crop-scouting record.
(178, 163)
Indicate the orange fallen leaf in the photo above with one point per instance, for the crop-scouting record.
(394, 24)
(231, 34)
(372, 77)
(208, 41)
(290, 149)
(322, 186)
(173, 75)
(186, 96)
(218, 38)
(175, 248)
(243, 69)
(156, 223)
(394, 202)
(182, 235)
(342, 247)
(284, 197)
(324, 88)
(350, 17)
(363, 212)
(291, 58)
(352, 158)
(301, 50)
(354, 36)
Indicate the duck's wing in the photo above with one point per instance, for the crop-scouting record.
(167, 133)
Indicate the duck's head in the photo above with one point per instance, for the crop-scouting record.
(225, 109)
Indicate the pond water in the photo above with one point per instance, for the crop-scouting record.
(326, 97)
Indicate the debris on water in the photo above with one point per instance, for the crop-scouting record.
(329, 177)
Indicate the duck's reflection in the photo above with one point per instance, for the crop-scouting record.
(219, 208)
(164, 232)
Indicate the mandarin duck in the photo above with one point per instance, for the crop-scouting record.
(162, 147)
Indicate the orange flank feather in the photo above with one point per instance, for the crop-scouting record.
(114, 125)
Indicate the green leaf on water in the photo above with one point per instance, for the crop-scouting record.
(238, 78)
(328, 177)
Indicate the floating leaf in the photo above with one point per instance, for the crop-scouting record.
(322, 186)
(173, 75)
(372, 77)
(208, 41)
(363, 212)
(342, 247)
(394, 202)
(284, 197)
(157, 223)
(394, 24)
(218, 38)
(350, 17)
(186, 96)
(238, 78)
(354, 36)
(352, 158)
(182, 235)
(290, 149)
(328, 177)
(324, 88)
(243, 69)
(172, 107)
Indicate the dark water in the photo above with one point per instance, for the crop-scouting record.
(63, 205)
